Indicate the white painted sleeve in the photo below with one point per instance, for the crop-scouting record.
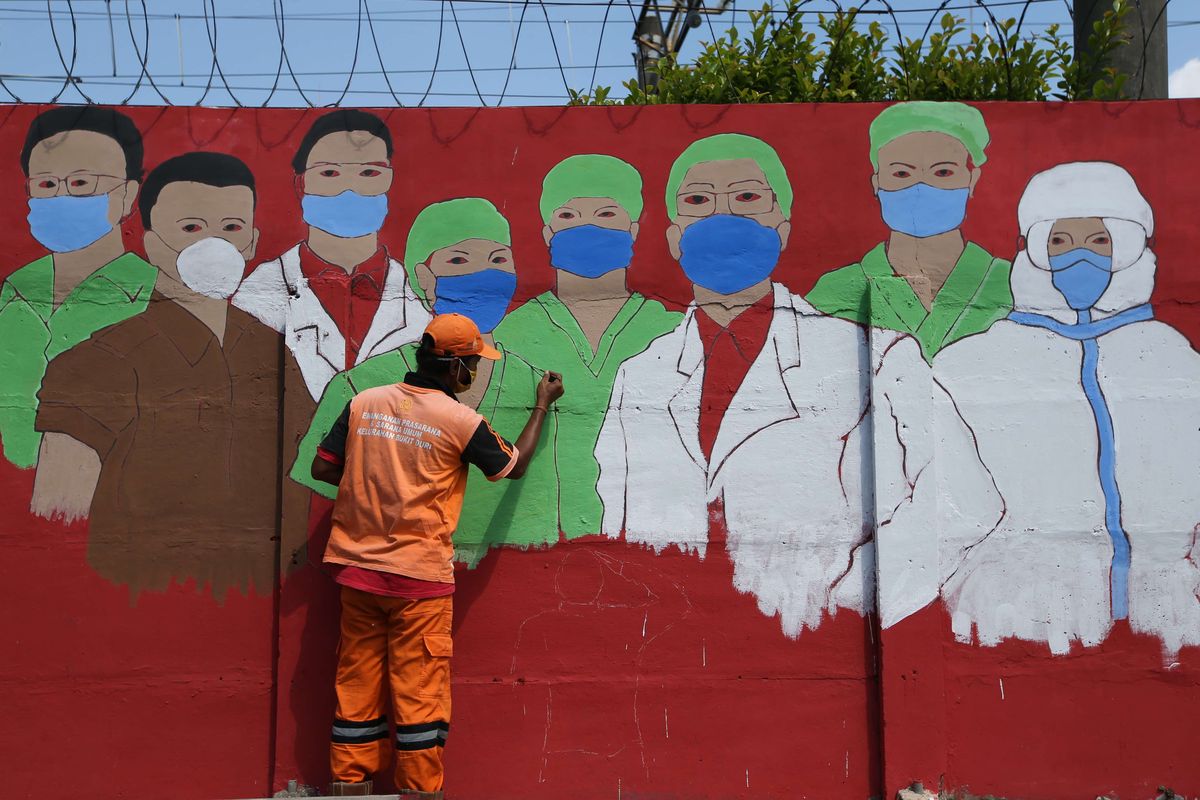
(610, 455)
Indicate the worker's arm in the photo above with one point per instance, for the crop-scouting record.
(497, 458)
(329, 463)
(549, 389)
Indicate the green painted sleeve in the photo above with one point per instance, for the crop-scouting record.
(22, 366)
(336, 395)
(842, 293)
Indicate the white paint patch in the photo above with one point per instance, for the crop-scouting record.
(666, 726)
(703, 654)
(645, 620)
(747, 779)
(1002, 688)
(212, 267)
(847, 763)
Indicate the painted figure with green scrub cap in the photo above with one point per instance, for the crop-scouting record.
(925, 280)
(460, 260)
(587, 325)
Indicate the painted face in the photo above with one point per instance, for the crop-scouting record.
(187, 212)
(204, 235)
(1085, 232)
(1080, 256)
(475, 278)
(729, 230)
(354, 161)
(590, 236)
(77, 189)
(935, 159)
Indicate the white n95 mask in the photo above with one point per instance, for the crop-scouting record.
(212, 267)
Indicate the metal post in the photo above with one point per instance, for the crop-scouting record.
(1144, 58)
(112, 37)
(648, 36)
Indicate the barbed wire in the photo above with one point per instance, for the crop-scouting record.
(466, 64)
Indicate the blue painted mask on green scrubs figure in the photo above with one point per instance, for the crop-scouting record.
(726, 254)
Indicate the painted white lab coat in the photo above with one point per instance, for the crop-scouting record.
(933, 496)
(278, 295)
(784, 460)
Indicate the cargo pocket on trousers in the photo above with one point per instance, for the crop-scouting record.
(435, 674)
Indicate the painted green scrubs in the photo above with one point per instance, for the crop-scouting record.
(543, 332)
(34, 332)
(558, 490)
(975, 295)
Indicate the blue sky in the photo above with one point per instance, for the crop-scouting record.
(557, 45)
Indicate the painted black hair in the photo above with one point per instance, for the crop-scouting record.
(343, 120)
(211, 169)
(105, 121)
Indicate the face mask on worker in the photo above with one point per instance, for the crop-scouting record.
(726, 254)
(922, 210)
(481, 296)
(346, 215)
(462, 384)
(212, 267)
(64, 224)
(1081, 276)
(591, 251)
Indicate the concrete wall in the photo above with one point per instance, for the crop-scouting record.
(885, 471)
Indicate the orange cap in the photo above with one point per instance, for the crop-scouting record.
(456, 335)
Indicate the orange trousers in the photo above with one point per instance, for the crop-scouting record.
(402, 648)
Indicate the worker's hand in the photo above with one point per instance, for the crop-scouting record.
(550, 389)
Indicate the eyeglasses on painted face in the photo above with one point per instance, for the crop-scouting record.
(76, 184)
(743, 202)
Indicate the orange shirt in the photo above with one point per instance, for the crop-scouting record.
(406, 450)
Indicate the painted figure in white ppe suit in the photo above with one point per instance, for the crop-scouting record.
(750, 400)
(1087, 414)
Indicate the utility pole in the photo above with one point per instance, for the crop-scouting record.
(1144, 58)
(654, 39)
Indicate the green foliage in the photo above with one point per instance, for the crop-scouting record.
(789, 60)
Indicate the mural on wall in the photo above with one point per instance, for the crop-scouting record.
(189, 373)
(1092, 447)
(926, 279)
(771, 472)
(753, 385)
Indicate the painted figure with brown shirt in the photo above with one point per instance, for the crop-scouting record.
(164, 425)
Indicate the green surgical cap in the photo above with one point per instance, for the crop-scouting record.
(592, 176)
(953, 119)
(444, 224)
(728, 147)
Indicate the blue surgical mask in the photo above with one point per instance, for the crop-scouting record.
(346, 215)
(922, 210)
(65, 223)
(590, 251)
(1082, 276)
(482, 296)
(726, 254)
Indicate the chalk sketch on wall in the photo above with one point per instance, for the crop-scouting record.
(161, 429)
(726, 405)
(338, 297)
(1084, 407)
(926, 279)
(82, 167)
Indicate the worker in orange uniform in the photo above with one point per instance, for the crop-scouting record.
(399, 455)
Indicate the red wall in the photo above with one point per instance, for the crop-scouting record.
(673, 685)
